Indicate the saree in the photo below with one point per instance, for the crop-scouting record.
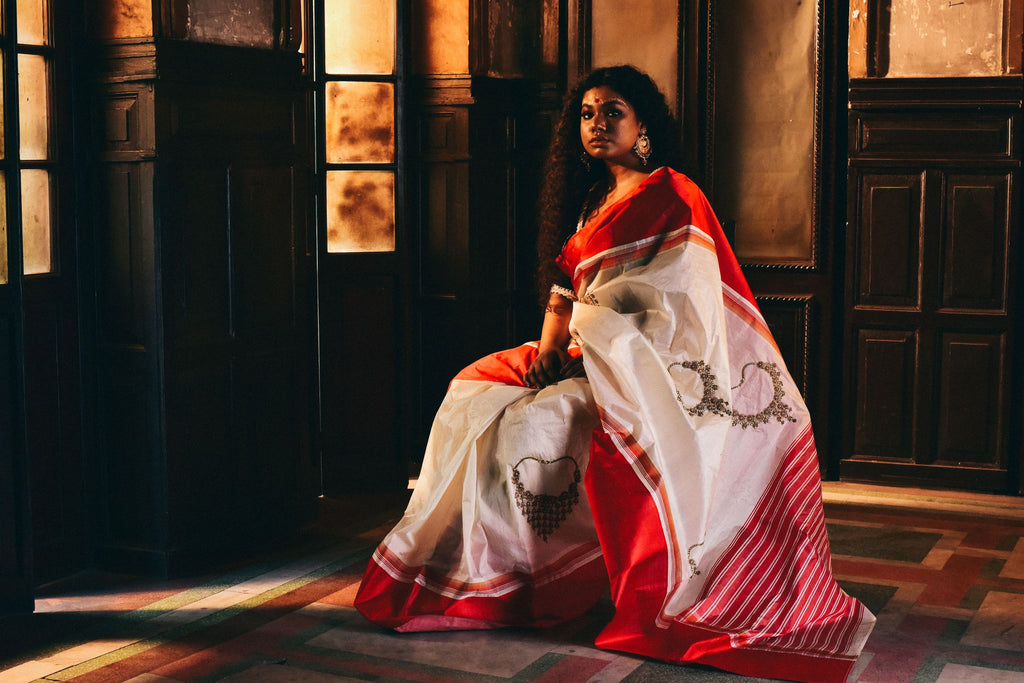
(681, 473)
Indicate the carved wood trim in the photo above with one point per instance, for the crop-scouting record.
(801, 310)
(996, 92)
(813, 262)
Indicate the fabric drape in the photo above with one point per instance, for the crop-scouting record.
(681, 471)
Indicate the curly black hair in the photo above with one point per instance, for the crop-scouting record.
(568, 179)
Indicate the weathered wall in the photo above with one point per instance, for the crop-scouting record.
(124, 19)
(440, 37)
(245, 23)
(644, 35)
(923, 38)
(764, 126)
(953, 38)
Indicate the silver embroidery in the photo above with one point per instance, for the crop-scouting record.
(545, 512)
(711, 403)
(775, 409)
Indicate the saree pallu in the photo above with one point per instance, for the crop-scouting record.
(682, 469)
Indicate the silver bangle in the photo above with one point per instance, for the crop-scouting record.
(567, 293)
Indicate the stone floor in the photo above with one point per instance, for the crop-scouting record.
(943, 572)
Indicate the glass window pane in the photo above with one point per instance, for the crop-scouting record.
(359, 37)
(32, 22)
(36, 231)
(3, 122)
(360, 122)
(35, 110)
(4, 268)
(360, 211)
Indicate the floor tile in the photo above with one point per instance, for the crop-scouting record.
(999, 623)
(279, 673)
(1014, 567)
(493, 653)
(960, 673)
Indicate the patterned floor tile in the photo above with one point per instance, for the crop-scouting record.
(881, 543)
(959, 673)
(495, 653)
(1014, 567)
(999, 623)
(279, 673)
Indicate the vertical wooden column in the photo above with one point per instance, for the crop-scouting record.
(203, 314)
(477, 142)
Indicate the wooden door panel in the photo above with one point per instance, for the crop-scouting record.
(931, 284)
(886, 382)
(361, 420)
(972, 400)
(974, 241)
(15, 522)
(888, 235)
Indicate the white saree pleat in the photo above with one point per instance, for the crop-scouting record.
(463, 520)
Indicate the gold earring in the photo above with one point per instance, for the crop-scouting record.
(642, 146)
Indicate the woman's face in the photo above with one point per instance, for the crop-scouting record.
(608, 126)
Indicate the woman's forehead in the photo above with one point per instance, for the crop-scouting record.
(603, 94)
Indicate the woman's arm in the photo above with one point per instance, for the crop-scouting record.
(554, 340)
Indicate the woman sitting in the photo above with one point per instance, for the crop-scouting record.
(652, 437)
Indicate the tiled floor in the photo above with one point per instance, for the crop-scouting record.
(943, 573)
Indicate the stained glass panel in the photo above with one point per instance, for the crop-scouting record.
(34, 107)
(360, 122)
(370, 48)
(360, 211)
(32, 22)
(35, 221)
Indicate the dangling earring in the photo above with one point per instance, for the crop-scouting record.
(642, 146)
(585, 159)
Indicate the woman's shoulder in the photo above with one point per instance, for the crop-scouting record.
(670, 182)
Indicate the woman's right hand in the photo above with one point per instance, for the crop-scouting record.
(551, 366)
(546, 368)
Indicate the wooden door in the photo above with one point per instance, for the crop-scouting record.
(932, 283)
(363, 247)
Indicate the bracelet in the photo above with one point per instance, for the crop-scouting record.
(563, 291)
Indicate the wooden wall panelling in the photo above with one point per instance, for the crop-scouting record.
(479, 144)
(15, 524)
(366, 303)
(972, 414)
(932, 291)
(203, 280)
(795, 324)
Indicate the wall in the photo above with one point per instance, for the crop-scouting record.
(646, 39)
(918, 38)
(440, 41)
(124, 19)
(764, 126)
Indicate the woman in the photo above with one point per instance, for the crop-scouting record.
(700, 499)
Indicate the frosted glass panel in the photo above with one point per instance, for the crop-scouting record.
(34, 112)
(360, 122)
(360, 211)
(4, 268)
(32, 22)
(35, 221)
(3, 122)
(359, 36)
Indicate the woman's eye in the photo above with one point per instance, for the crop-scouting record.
(586, 116)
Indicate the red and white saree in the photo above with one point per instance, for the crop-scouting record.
(683, 469)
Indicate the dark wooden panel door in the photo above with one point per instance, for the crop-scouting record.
(931, 298)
